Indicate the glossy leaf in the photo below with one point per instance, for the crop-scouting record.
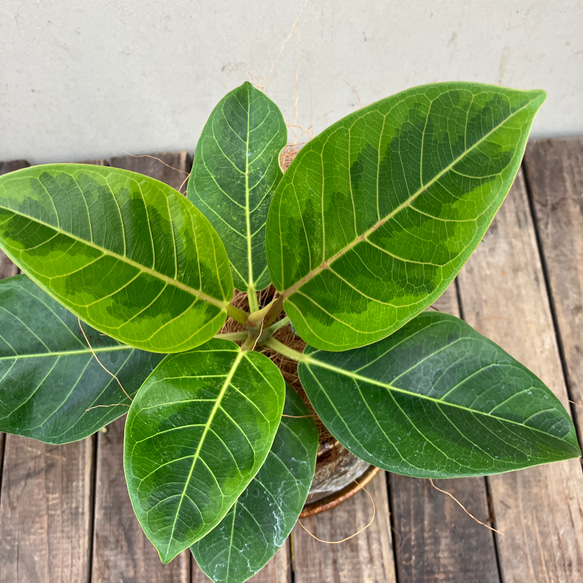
(264, 515)
(196, 435)
(124, 252)
(234, 174)
(437, 399)
(378, 213)
(51, 386)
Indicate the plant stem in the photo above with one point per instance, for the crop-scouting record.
(234, 336)
(259, 316)
(237, 314)
(281, 324)
(249, 343)
(252, 296)
(274, 311)
(280, 347)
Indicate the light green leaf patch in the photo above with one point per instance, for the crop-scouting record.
(124, 252)
(52, 387)
(234, 174)
(197, 433)
(437, 400)
(378, 213)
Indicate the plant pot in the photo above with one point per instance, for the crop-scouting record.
(339, 475)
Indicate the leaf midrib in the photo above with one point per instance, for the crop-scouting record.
(249, 237)
(156, 274)
(327, 262)
(309, 360)
(196, 455)
(66, 352)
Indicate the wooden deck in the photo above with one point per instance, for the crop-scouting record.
(65, 515)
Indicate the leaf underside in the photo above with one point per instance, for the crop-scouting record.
(124, 252)
(196, 434)
(235, 171)
(436, 399)
(378, 213)
(52, 388)
(264, 515)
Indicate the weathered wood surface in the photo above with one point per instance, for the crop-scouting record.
(366, 558)
(13, 165)
(503, 294)
(554, 171)
(121, 551)
(46, 511)
(171, 167)
(434, 539)
(65, 514)
(46, 501)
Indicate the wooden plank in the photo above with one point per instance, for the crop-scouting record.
(554, 169)
(45, 511)
(45, 503)
(12, 166)
(434, 539)
(95, 162)
(278, 570)
(503, 296)
(366, 558)
(171, 167)
(45, 500)
(121, 551)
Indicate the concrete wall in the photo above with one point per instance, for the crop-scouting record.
(82, 79)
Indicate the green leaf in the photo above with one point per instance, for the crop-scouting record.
(196, 435)
(51, 386)
(124, 252)
(261, 519)
(378, 213)
(234, 174)
(438, 400)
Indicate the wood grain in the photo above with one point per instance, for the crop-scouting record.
(171, 167)
(366, 558)
(45, 503)
(45, 511)
(121, 551)
(12, 166)
(539, 510)
(554, 169)
(435, 541)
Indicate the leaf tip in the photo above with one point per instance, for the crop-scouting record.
(539, 96)
(169, 551)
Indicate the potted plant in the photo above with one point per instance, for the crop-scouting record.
(128, 284)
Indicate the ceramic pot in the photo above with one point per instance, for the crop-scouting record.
(339, 475)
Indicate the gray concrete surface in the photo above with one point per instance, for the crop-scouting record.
(83, 79)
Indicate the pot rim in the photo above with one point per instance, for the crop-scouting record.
(336, 498)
